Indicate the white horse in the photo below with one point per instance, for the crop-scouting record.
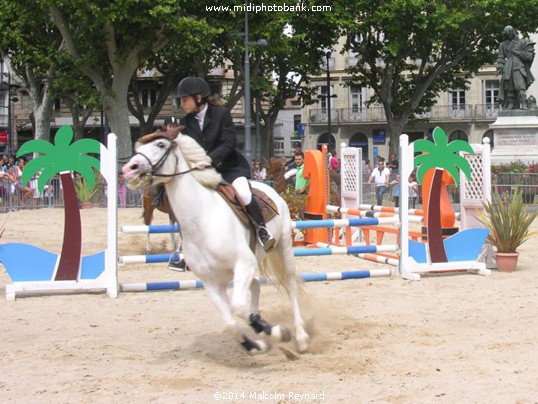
(216, 244)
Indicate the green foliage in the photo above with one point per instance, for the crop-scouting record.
(515, 167)
(425, 46)
(296, 203)
(508, 221)
(87, 194)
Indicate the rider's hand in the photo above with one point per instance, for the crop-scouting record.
(206, 162)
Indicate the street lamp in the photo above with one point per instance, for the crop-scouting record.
(328, 54)
(259, 42)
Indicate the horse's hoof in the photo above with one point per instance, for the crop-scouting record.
(255, 347)
(302, 342)
(280, 333)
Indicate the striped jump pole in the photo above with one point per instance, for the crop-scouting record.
(197, 284)
(337, 250)
(373, 208)
(298, 252)
(371, 256)
(313, 224)
(414, 215)
(148, 259)
(151, 229)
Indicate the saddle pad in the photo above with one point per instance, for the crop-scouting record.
(266, 204)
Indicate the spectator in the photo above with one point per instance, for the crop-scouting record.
(122, 191)
(333, 161)
(396, 190)
(368, 166)
(380, 175)
(290, 164)
(393, 165)
(301, 184)
(413, 191)
(170, 122)
(258, 173)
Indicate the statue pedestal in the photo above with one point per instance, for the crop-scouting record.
(516, 136)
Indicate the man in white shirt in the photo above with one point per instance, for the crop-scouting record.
(381, 177)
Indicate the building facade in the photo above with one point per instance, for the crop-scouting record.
(463, 114)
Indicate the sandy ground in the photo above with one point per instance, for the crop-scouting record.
(458, 338)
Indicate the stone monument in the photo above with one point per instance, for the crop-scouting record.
(516, 127)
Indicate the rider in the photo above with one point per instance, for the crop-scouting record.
(213, 128)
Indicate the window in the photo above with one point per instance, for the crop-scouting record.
(322, 96)
(457, 97)
(278, 147)
(148, 97)
(491, 92)
(457, 103)
(458, 135)
(356, 99)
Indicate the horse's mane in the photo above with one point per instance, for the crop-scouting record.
(194, 155)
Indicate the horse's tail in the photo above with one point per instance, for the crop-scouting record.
(274, 268)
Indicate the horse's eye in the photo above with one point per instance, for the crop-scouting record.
(161, 145)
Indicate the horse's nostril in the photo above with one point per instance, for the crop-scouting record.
(134, 167)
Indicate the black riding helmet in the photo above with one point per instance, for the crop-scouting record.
(171, 120)
(194, 86)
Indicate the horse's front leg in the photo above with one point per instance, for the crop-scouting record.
(244, 271)
(217, 294)
(258, 324)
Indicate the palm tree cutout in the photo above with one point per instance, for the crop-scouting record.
(63, 158)
(439, 156)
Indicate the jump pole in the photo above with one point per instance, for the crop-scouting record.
(196, 284)
(298, 252)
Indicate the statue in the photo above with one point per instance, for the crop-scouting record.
(513, 64)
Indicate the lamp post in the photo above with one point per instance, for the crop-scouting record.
(259, 42)
(328, 96)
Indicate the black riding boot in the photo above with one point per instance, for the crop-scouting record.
(264, 237)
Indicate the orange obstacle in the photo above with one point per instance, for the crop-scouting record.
(314, 170)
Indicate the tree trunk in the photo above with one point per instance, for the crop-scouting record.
(117, 113)
(70, 256)
(435, 232)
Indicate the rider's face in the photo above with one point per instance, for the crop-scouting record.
(188, 104)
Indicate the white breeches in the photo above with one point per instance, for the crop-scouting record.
(242, 188)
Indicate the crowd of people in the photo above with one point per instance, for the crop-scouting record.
(14, 195)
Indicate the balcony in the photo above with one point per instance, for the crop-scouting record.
(467, 112)
(486, 111)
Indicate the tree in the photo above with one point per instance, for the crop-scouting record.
(410, 51)
(282, 70)
(64, 157)
(439, 156)
(29, 45)
(110, 40)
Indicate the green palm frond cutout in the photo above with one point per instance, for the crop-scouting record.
(443, 155)
(62, 156)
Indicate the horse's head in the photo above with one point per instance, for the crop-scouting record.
(152, 159)
(162, 156)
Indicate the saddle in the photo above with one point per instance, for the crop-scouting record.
(266, 204)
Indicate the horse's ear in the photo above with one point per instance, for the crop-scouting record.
(174, 132)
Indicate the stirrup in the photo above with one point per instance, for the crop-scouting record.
(265, 238)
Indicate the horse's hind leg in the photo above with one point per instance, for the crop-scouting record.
(217, 294)
(288, 260)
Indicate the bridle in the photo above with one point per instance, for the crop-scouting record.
(157, 166)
